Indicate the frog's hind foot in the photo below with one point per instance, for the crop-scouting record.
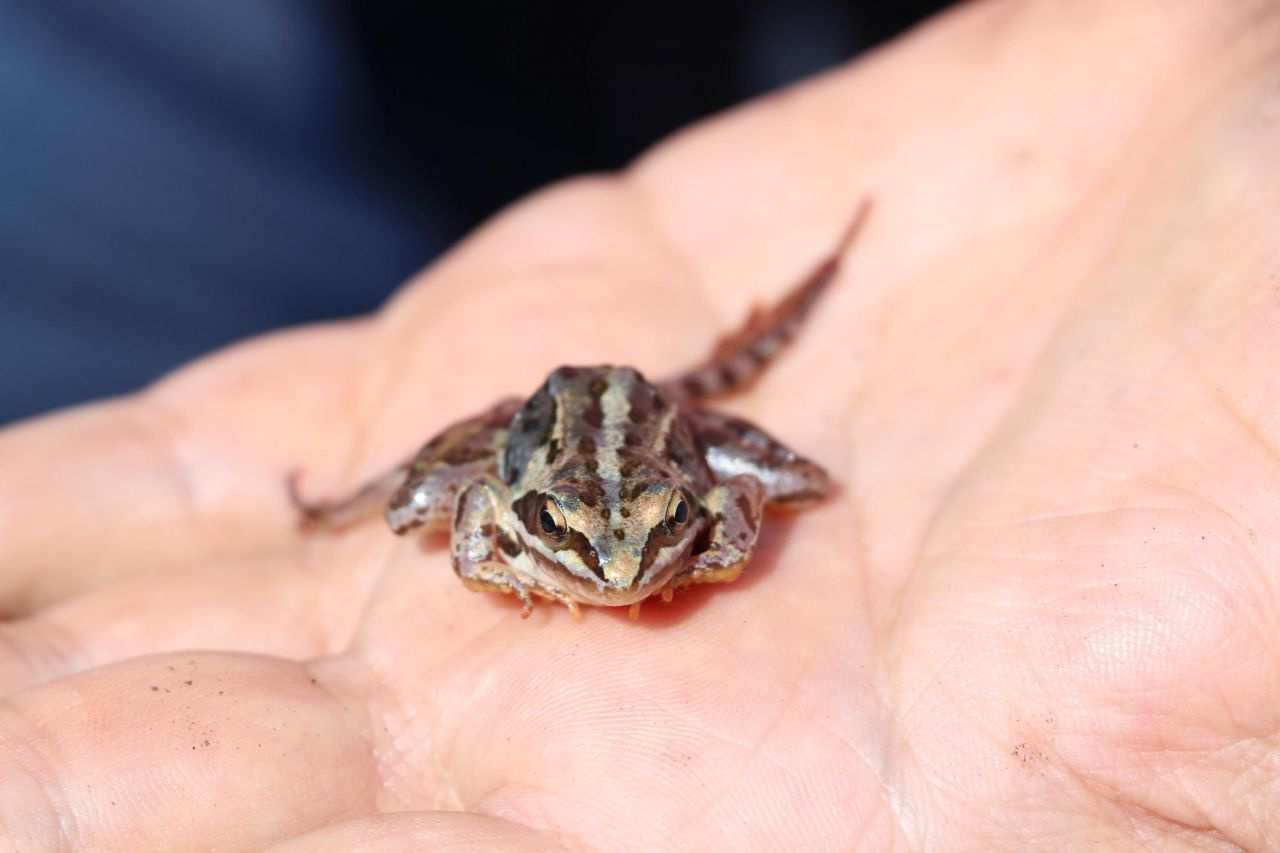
(363, 505)
(310, 514)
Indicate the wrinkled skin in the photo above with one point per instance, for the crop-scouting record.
(1041, 609)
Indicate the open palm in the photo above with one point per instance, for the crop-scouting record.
(1041, 607)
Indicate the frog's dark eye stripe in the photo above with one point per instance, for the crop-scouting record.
(541, 515)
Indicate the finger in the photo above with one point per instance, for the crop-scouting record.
(80, 491)
(437, 831)
(189, 469)
(171, 751)
(273, 605)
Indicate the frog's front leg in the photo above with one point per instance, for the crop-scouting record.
(734, 508)
(484, 539)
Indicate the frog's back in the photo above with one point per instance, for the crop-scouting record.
(603, 424)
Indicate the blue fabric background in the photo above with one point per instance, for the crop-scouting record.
(178, 175)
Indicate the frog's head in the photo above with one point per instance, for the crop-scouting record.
(613, 548)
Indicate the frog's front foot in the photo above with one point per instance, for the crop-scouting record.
(474, 544)
(735, 507)
(494, 577)
(481, 536)
(497, 577)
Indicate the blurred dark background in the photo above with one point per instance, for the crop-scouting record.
(176, 175)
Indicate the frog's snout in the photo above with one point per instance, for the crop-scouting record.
(621, 567)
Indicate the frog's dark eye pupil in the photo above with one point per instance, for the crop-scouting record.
(548, 523)
(681, 514)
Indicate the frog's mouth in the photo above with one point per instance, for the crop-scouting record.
(618, 587)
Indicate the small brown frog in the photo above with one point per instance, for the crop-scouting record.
(603, 488)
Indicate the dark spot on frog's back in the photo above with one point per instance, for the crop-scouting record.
(644, 402)
(589, 491)
(464, 454)
(539, 413)
(683, 451)
(630, 467)
(593, 414)
(529, 430)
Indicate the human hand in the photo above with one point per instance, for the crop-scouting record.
(1041, 608)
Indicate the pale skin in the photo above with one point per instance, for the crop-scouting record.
(1040, 609)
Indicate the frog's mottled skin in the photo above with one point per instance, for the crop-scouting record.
(603, 488)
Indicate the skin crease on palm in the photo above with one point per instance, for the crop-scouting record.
(1042, 608)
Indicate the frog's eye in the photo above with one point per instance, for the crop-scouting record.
(551, 519)
(677, 510)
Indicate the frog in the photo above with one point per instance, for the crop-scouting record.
(601, 487)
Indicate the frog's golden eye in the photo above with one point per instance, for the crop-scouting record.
(551, 519)
(677, 510)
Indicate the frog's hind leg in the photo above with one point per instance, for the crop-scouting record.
(738, 359)
(422, 491)
(734, 508)
(733, 446)
(367, 502)
(445, 465)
